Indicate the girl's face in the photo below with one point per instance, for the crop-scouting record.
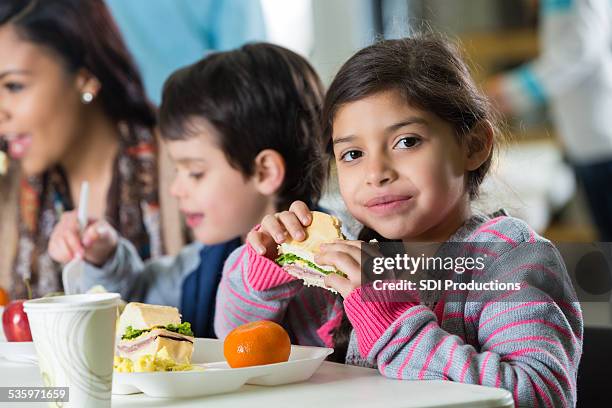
(39, 103)
(401, 170)
(218, 202)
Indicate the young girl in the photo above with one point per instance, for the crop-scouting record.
(412, 140)
(241, 127)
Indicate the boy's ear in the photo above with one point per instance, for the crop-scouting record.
(479, 145)
(269, 171)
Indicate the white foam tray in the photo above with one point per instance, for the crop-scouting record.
(217, 377)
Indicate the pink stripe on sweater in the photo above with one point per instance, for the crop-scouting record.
(531, 236)
(242, 319)
(439, 311)
(564, 376)
(541, 393)
(467, 363)
(371, 319)
(454, 315)
(245, 312)
(555, 389)
(558, 328)
(228, 323)
(539, 390)
(396, 327)
(247, 290)
(485, 226)
(534, 398)
(416, 343)
(509, 310)
(515, 392)
(450, 359)
(484, 367)
(430, 356)
(325, 331)
(286, 294)
(239, 259)
(571, 307)
(477, 249)
(536, 266)
(537, 338)
(250, 302)
(502, 236)
(494, 301)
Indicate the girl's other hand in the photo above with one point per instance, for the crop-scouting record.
(275, 229)
(97, 243)
(346, 257)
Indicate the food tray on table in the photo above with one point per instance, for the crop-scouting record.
(216, 376)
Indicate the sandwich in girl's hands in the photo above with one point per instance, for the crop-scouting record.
(153, 339)
(298, 257)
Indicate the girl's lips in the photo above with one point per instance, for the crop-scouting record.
(19, 145)
(386, 205)
(193, 220)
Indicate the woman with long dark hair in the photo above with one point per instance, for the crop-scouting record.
(72, 109)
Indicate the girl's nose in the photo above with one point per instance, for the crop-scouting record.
(379, 172)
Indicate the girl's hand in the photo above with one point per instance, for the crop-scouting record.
(276, 228)
(97, 243)
(346, 257)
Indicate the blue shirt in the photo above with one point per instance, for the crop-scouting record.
(164, 35)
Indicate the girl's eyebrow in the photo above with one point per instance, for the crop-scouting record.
(14, 72)
(389, 129)
(408, 121)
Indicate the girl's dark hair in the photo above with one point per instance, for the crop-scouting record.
(83, 34)
(260, 96)
(429, 73)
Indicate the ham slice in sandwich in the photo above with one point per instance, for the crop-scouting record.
(150, 333)
(297, 257)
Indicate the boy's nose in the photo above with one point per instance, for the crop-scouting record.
(4, 115)
(176, 189)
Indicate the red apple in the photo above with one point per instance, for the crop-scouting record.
(15, 322)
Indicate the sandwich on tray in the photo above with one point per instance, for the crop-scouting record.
(297, 257)
(152, 338)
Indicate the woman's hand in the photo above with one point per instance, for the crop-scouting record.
(346, 257)
(274, 229)
(97, 243)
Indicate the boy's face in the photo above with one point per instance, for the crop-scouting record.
(218, 202)
(401, 170)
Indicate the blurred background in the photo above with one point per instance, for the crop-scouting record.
(532, 179)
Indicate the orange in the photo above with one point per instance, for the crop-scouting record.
(256, 343)
(4, 297)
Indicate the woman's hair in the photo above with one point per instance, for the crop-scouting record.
(260, 96)
(430, 75)
(83, 34)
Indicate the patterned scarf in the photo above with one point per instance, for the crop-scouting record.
(132, 208)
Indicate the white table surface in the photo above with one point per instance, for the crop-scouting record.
(333, 385)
